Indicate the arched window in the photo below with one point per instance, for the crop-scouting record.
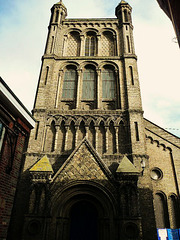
(89, 83)
(125, 16)
(108, 84)
(69, 85)
(73, 48)
(90, 44)
(57, 16)
(173, 211)
(161, 211)
(107, 44)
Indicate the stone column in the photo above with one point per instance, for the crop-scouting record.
(57, 127)
(76, 135)
(79, 88)
(59, 88)
(115, 45)
(107, 142)
(117, 142)
(82, 49)
(66, 138)
(44, 137)
(96, 137)
(98, 45)
(64, 50)
(87, 131)
(99, 89)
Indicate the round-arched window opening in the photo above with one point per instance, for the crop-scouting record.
(131, 230)
(34, 227)
(156, 174)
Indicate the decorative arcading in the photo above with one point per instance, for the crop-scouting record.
(107, 134)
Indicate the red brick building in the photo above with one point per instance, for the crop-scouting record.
(15, 125)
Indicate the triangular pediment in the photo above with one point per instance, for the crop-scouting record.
(83, 164)
(126, 166)
(43, 165)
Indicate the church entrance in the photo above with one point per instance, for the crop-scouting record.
(83, 221)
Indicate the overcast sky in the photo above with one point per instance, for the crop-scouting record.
(23, 32)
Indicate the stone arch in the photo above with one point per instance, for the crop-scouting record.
(99, 120)
(108, 63)
(150, 139)
(89, 120)
(156, 142)
(85, 63)
(64, 198)
(79, 120)
(118, 120)
(94, 30)
(110, 119)
(163, 146)
(69, 120)
(68, 63)
(69, 30)
(50, 120)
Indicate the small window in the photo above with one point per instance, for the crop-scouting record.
(131, 75)
(137, 131)
(156, 174)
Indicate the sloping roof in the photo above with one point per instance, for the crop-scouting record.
(11, 101)
(43, 165)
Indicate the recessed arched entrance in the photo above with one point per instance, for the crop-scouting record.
(83, 221)
(84, 212)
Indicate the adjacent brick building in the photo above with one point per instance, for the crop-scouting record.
(15, 125)
(95, 168)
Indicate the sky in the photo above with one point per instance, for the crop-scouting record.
(23, 33)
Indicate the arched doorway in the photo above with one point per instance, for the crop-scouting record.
(83, 221)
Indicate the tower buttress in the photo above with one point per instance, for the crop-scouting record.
(58, 15)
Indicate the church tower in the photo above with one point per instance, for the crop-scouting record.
(86, 165)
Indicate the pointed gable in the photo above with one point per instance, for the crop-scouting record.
(83, 164)
(43, 165)
(126, 166)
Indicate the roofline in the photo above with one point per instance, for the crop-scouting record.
(4, 88)
(162, 128)
(89, 19)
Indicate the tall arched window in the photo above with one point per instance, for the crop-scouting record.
(173, 211)
(108, 84)
(90, 44)
(69, 85)
(89, 84)
(161, 211)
